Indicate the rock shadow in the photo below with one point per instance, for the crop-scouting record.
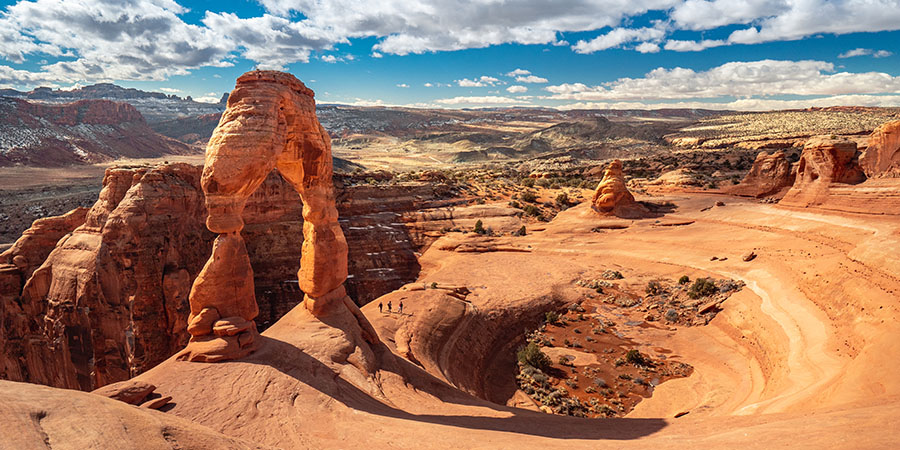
(295, 363)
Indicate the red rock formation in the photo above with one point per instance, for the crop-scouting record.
(86, 131)
(823, 163)
(612, 196)
(270, 123)
(882, 156)
(770, 175)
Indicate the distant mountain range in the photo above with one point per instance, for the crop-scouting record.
(154, 106)
(151, 124)
(81, 132)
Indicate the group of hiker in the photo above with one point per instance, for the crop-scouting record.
(389, 307)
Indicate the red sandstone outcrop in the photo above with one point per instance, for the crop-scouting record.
(824, 162)
(770, 175)
(83, 132)
(612, 196)
(882, 156)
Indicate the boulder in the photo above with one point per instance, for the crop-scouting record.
(132, 392)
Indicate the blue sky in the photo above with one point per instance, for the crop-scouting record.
(726, 54)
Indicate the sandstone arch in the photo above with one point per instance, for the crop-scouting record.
(270, 123)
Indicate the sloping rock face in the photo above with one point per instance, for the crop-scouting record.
(770, 175)
(882, 156)
(612, 196)
(83, 132)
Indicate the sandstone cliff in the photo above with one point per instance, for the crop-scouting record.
(111, 299)
(882, 157)
(770, 175)
(829, 176)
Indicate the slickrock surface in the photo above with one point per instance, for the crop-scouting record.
(612, 196)
(882, 156)
(802, 351)
(771, 175)
(38, 417)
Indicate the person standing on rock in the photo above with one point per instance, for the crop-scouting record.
(400, 309)
(389, 307)
(380, 306)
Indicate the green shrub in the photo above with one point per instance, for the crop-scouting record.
(479, 227)
(528, 196)
(702, 287)
(637, 358)
(532, 210)
(654, 287)
(684, 279)
(520, 231)
(532, 355)
(529, 182)
(551, 317)
(562, 199)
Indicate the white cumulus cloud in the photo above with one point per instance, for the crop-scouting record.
(516, 89)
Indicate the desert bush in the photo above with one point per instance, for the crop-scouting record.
(528, 196)
(654, 287)
(532, 355)
(637, 358)
(551, 317)
(562, 199)
(528, 182)
(532, 210)
(702, 287)
(684, 279)
(520, 231)
(479, 227)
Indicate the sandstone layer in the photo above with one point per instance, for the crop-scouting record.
(771, 175)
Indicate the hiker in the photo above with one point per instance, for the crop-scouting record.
(379, 306)
(400, 310)
(389, 307)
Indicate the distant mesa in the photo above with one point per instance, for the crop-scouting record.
(82, 132)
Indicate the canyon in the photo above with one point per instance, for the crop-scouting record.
(466, 262)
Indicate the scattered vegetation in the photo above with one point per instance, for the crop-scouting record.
(637, 358)
(551, 317)
(655, 287)
(532, 355)
(702, 287)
